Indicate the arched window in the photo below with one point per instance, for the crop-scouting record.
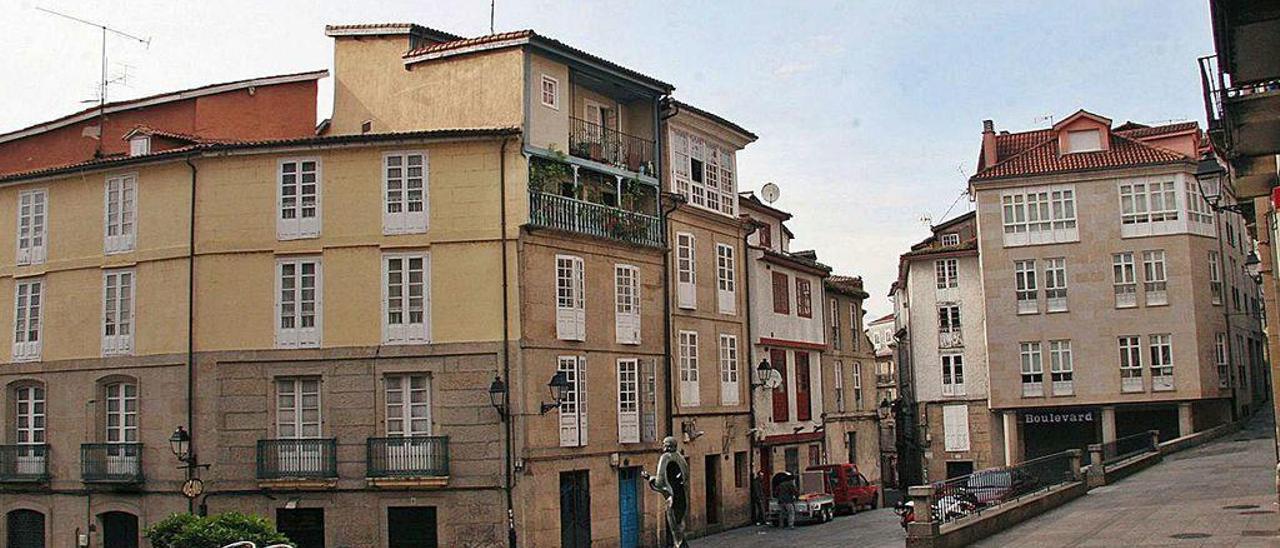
(121, 412)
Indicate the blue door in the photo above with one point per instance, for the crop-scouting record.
(629, 507)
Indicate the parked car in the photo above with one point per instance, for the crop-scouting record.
(814, 505)
(848, 486)
(993, 486)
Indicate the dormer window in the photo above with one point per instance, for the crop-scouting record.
(1089, 140)
(140, 145)
(951, 238)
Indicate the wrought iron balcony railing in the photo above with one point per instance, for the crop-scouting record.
(315, 458)
(24, 463)
(111, 463)
(408, 457)
(610, 146)
(601, 221)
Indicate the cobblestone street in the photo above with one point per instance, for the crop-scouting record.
(866, 529)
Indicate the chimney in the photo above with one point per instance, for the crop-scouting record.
(988, 143)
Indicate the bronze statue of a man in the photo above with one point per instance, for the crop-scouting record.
(672, 481)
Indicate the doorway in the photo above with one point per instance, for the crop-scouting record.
(303, 526)
(711, 487)
(119, 530)
(851, 443)
(629, 507)
(575, 509)
(957, 468)
(411, 527)
(26, 529)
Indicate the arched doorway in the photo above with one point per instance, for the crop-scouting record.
(26, 529)
(119, 530)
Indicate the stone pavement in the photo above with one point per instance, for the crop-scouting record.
(1219, 494)
(866, 529)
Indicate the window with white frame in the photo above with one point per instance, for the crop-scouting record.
(686, 272)
(1130, 363)
(1197, 208)
(571, 303)
(1124, 280)
(703, 173)
(573, 406)
(117, 312)
(626, 293)
(121, 210)
(121, 415)
(1215, 277)
(1026, 288)
(299, 303)
(32, 226)
(729, 370)
(833, 312)
(1154, 278)
(1221, 361)
(953, 375)
(689, 391)
(857, 385)
(1148, 207)
(1061, 368)
(298, 408)
(1032, 369)
(838, 372)
(29, 428)
(726, 279)
(408, 403)
(950, 238)
(1087, 140)
(855, 334)
(28, 298)
(406, 314)
(949, 333)
(1039, 215)
(1055, 284)
(404, 181)
(298, 187)
(1161, 347)
(550, 92)
(946, 273)
(628, 400)
(140, 145)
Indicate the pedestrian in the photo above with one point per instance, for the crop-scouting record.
(788, 494)
(759, 504)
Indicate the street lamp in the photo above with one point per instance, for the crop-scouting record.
(180, 444)
(1253, 267)
(559, 387)
(497, 396)
(767, 376)
(1209, 175)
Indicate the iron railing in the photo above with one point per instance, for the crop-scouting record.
(610, 146)
(409, 456)
(313, 458)
(1128, 446)
(971, 494)
(601, 221)
(24, 463)
(111, 463)
(1212, 83)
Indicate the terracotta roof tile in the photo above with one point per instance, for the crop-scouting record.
(1036, 153)
(1145, 132)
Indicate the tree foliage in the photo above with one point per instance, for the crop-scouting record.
(188, 531)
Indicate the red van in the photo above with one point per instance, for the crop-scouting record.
(849, 487)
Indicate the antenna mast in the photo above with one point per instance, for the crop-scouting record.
(102, 85)
(491, 9)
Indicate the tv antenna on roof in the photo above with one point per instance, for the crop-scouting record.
(1045, 118)
(104, 82)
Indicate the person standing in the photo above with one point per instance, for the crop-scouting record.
(788, 494)
(759, 503)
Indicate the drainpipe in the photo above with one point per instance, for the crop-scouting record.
(506, 341)
(751, 227)
(675, 202)
(191, 320)
(1226, 313)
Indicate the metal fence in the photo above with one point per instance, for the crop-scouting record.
(601, 221)
(1128, 446)
(111, 462)
(409, 456)
(602, 144)
(972, 494)
(297, 458)
(25, 462)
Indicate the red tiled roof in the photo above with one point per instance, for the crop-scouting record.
(1036, 153)
(848, 285)
(388, 28)
(188, 137)
(214, 146)
(530, 36)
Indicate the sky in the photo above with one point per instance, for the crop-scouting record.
(869, 112)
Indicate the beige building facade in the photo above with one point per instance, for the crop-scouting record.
(850, 414)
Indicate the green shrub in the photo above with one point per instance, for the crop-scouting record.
(188, 531)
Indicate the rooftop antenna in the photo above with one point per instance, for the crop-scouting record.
(926, 220)
(491, 9)
(104, 82)
(1045, 118)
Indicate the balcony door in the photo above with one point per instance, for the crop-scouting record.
(119, 530)
(122, 429)
(29, 430)
(409, 417)
(298, 418)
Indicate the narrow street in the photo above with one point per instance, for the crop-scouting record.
(1219, 494)
(866, 529)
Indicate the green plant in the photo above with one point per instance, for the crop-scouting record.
(546, 174)
(188, 531)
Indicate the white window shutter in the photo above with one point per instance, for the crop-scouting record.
(686, 271)
(626, 288)
(582, 401)
(955, 426)
(571, 313)
(628, 401)
(648, 401)
(569, 408)
(580, 299)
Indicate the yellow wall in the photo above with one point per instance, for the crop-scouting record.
(371, 83)
(549, 127)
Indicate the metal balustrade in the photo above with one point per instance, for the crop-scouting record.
(601, 221)
(314, 458)
(409, 456)
(111, 463)
(24, 463)
(602, 144)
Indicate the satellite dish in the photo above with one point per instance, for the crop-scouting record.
(770, 192)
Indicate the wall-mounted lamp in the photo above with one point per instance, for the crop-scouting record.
(180, 444)
(1209, 175)
(497, 396)
(767, 376)
(559, 386)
